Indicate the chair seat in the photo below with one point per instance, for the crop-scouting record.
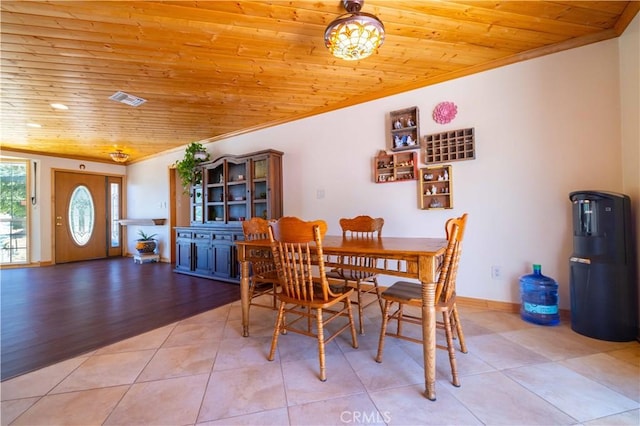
(266, 277)
(336, 285)
(317, 302)
(410, 293)
(263, 285)
(350, 274)
(404, 292)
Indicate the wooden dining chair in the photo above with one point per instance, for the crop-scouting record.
(305, 292)
(363, 282)
(263, 279)
(405, 293)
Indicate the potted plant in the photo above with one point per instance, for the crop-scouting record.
(188, 169)
(146, 244)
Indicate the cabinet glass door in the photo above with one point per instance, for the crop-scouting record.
(259, 189)
(196, 205)
(215, 193)
(237, 190)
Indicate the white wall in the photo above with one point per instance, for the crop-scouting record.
(543, 128)
(630, 101)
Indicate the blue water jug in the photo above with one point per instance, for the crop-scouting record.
(539, 295)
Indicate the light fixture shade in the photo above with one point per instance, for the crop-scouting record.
(118, 156)
(354, 36)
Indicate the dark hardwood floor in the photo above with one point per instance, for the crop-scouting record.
(53, 313)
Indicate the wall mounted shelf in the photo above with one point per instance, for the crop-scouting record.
(152, 222)
(405, 129)
(449, 146)
(395, 167)
(435, 188)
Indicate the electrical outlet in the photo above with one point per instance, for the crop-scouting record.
(496, 272)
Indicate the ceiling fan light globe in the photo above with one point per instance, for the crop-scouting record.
(354, 37)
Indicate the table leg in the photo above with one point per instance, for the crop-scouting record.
(429, 339)
(244, 296)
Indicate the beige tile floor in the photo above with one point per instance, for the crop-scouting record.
(200, 371)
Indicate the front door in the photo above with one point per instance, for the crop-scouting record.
(83, 217)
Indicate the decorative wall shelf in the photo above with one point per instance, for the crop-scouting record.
(395, 167)
(449, 146)
(125, 222)
(405, 129)
(436, 188)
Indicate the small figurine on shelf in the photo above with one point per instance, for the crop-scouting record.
(427, 192)
(397, 142)
(440, 178)
(428, 176)
(446, 175)
(397, 124)
(410, 141)
(410, 122)
(434, 190)
(435, 203)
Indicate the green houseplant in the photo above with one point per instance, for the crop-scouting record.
(146, 244)
(188, 167)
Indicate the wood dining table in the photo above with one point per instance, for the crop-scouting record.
(416, 258)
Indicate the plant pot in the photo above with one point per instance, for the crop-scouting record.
(200, 155)
(146, 246)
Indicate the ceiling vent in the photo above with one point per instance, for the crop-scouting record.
(128, 99)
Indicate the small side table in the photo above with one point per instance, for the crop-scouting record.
(147, 257)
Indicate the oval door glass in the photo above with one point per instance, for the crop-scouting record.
(81, 215)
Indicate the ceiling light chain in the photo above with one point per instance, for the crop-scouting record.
(356, 35)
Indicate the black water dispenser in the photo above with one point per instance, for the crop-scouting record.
(604, 289)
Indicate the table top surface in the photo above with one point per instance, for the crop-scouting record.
(387, 245)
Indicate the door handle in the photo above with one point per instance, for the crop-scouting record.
(580, 260)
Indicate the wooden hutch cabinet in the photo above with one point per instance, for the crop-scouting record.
(233, 188)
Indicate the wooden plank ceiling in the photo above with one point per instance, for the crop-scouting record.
(211, 69)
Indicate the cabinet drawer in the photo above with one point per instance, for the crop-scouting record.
(201, 236)
(222, 237)
(184, 234)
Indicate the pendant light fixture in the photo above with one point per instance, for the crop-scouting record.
(355, 35)
(118, 156)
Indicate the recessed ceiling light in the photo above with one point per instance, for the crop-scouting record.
(59, 106)
(34, 125)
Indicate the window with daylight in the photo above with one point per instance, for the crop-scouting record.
(81, 215)
(14, 211)
(114, 192)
